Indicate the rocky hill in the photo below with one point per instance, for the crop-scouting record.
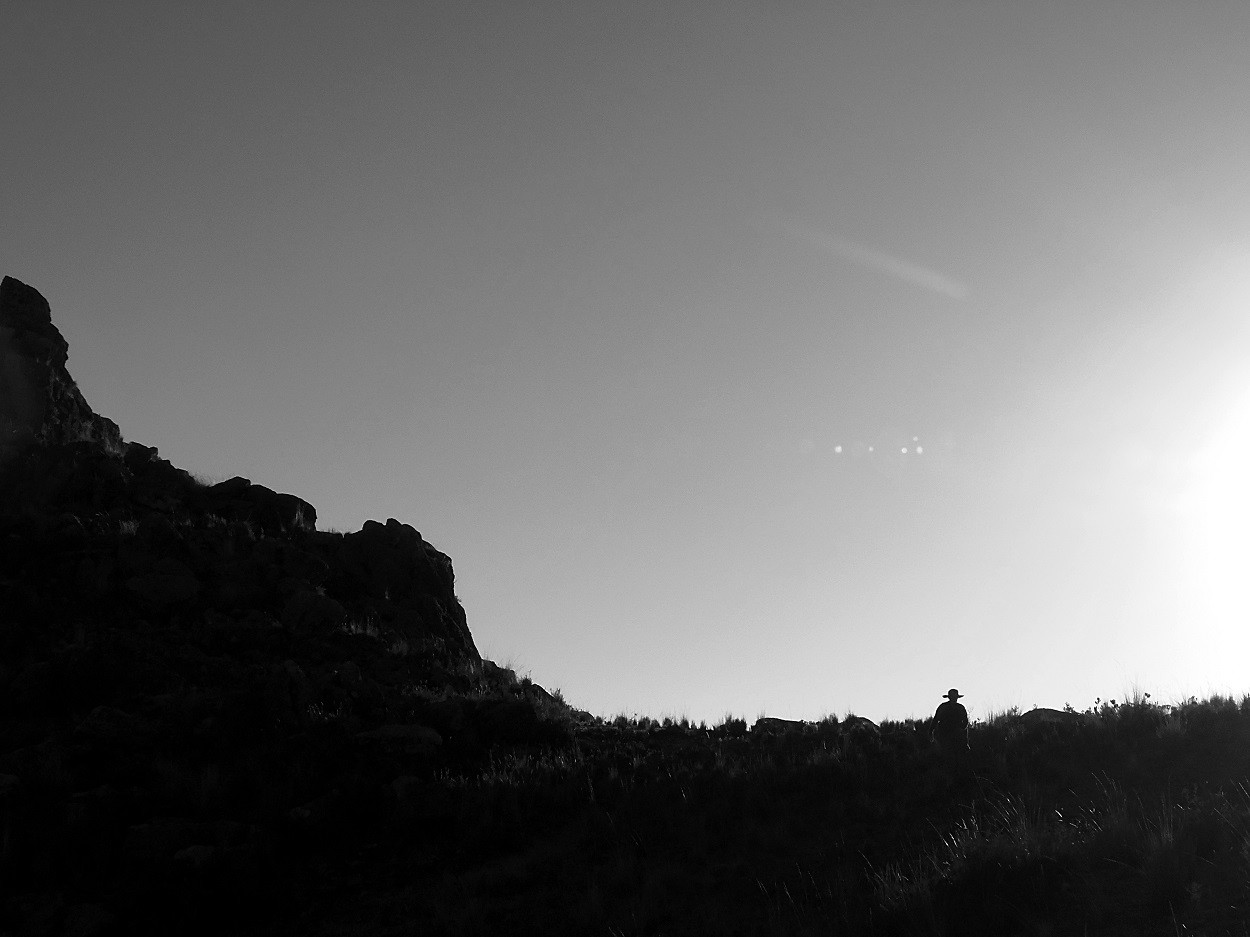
(216, 718)
(194, 679)
(144, 540)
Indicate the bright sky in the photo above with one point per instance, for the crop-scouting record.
(782, 358)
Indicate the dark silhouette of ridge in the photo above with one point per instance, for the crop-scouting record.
(195, 682)
(217, 719)
(197, 550)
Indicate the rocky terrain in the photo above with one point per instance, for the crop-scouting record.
(194, 680)
(216, 718)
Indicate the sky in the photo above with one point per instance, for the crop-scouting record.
(756, 358)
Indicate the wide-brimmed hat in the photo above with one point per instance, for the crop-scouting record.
(953, 694)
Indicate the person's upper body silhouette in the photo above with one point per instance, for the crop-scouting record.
(950, 723)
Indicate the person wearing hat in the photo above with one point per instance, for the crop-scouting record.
(950, 726)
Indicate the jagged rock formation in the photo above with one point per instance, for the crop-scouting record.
(151, 540)
(195, 682)
(39, 401)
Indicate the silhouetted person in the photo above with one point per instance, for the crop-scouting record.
(950, 729)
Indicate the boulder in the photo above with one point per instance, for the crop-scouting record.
(389, 571)
(1043, 716)
(860, 724)
(239, 499)
(769, 725)
(157, 485)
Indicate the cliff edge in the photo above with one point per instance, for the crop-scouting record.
(151, 542)
(208, 705)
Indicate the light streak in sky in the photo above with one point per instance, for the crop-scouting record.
(896, 267)
(891, 265)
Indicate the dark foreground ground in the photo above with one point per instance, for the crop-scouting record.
(1135, 820)
(469, 802)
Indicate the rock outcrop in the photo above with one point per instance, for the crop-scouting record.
(200, 690)
(39, 401)
(151, 541)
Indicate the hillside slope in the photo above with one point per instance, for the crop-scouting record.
(217, 719)
(191, 675)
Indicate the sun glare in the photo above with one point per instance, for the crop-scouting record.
(1216, 508)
